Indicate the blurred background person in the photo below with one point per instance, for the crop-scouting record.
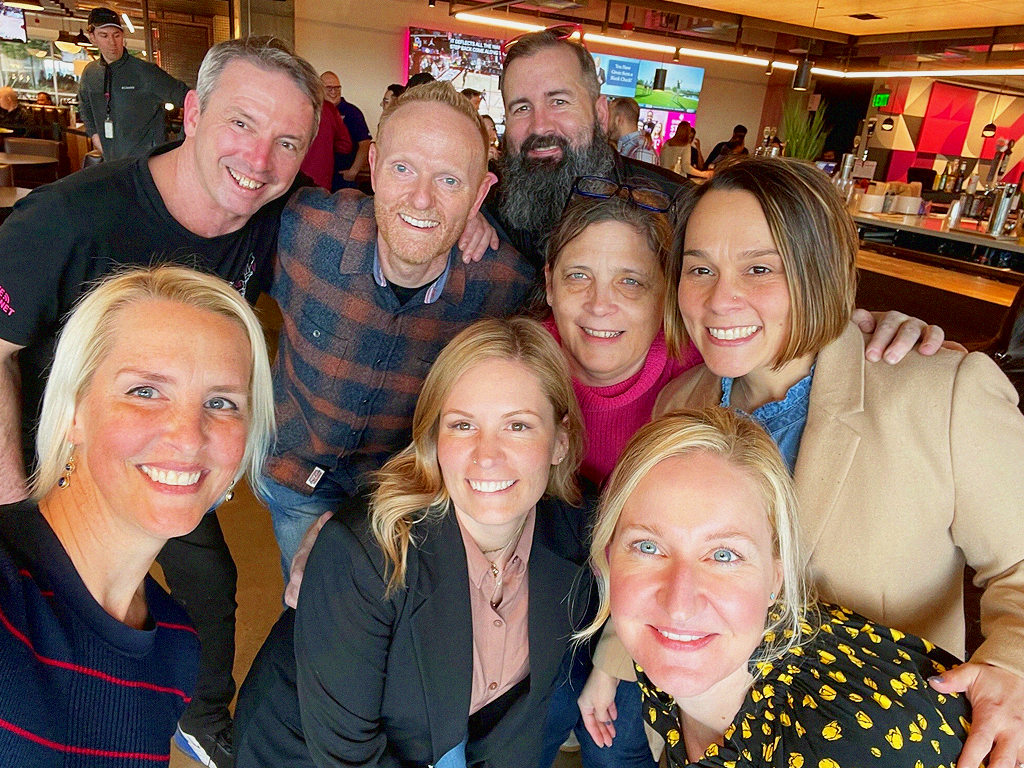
(677, 153)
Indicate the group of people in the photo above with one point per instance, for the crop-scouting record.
(431, 457)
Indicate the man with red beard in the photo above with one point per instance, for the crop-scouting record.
(371, 289)
(556, 123)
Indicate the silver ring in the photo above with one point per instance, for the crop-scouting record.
(609, 722)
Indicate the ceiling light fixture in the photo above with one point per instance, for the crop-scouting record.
(432, 3)
(802, 76)
(25, 5)
(675, 56)
(888, 124)
(990, 129)
(770, 69)
(131, 27)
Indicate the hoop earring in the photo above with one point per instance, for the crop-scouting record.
(69, 468)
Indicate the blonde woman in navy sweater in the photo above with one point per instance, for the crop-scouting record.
(158, 401)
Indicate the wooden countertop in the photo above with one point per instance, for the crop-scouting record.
(974, 286)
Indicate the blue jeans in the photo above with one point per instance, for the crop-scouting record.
(454, 757)
(629, 749)
(292, 513)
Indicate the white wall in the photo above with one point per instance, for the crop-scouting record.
(364, 41)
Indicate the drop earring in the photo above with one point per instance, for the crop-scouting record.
(231, 493)
(65, 479)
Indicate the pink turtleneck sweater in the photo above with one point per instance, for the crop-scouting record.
(613, 414)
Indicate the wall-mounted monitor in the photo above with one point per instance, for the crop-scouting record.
(12, 24)
(466, 61)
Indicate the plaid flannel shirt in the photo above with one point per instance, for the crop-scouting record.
(350, 358)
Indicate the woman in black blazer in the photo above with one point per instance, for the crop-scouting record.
(390, 670)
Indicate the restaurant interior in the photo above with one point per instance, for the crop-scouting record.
(928, 111)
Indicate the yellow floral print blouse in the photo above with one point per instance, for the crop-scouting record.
(855, 695)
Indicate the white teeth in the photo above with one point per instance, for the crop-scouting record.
(245, 181)
(680, 638)
(490, 486)
(729, 334)
(170, 476)
(602, 334)
(418, 223)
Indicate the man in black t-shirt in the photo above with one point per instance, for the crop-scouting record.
(212, 202)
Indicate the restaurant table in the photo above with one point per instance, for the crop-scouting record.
(12, 158)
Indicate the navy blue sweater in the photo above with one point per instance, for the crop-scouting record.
(78, 687)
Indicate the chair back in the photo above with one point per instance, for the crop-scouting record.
(23, 146)
(92, 157)
(6, 175)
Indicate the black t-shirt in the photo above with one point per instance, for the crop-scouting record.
(64, 236)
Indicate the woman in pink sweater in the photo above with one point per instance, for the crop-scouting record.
(605, 283)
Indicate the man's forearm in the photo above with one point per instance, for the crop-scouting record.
(360, 159)
(12, 469)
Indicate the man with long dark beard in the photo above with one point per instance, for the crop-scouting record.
(555, 131)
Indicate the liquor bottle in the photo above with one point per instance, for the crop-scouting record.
(951, 176)
(972, 182)
(961, 177)
(940, 185)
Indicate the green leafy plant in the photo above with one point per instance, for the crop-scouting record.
(804, 134)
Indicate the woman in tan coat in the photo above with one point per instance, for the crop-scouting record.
(903, 472)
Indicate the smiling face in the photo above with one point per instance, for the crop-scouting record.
(332, 87)
(691, 573)
(546, 103)
(109, 41)
(733, 291)
(160, 432)
(497, 441)
(606, 292)
(429, 173)
(248, 141)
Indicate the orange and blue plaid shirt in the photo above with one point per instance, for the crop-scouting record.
(351, 358)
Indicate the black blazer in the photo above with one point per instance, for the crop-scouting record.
(387, 682)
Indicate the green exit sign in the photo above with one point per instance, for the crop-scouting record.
(880, 100)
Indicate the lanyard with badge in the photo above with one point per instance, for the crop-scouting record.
(108, 84)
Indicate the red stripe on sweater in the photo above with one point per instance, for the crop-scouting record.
(87, 671)
(83, 750)
(184, 627)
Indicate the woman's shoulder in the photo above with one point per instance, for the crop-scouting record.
(694, 388)
(856, 692)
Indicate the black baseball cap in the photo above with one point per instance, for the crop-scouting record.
(103, 17)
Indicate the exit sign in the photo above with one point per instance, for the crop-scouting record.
(880, 100)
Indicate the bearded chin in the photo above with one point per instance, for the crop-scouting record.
(533, 192)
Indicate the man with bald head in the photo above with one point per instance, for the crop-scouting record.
(371, 289)
(348, 165)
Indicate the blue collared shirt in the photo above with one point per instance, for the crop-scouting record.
(435, 289)
(784, 419)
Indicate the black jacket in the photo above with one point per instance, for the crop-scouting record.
(387, 682)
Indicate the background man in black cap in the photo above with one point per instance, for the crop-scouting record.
(121, 98)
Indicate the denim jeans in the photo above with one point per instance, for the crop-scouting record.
(454, 757)
(292, 513)
(629, 748)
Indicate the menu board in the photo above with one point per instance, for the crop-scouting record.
(466, 61)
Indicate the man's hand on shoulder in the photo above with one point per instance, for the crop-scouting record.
(476, 238)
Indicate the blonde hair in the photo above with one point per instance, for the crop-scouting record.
(410, 489)
(438, 92)
(744, 444)
(88, 337)
(814, 235)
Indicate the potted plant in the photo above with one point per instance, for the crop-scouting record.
(805, 134)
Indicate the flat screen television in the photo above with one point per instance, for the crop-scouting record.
(12, 24)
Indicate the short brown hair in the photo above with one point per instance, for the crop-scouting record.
(438, 92)
(814, 235)
(533, 43)
(581, 212)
